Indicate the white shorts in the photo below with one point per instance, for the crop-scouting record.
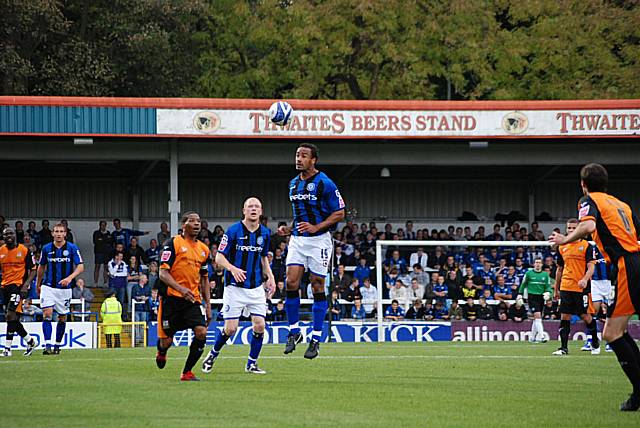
(600, 290)
(312, 252)
(236, 300)
(57, 298)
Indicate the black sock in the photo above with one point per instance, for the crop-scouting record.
(593, 330)
(195, 352)
(11, 329)
(565, 328)
(625, 353)
(162, 350)
(633, 345)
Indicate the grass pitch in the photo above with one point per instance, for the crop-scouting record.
(456, 384)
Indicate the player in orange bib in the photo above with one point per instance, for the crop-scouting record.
(575, 268)
(185, 300)
(615, 229)
(18, 270)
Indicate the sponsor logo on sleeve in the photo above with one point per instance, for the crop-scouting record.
(583, 212)
(223, 242)
(340, 200)
(166, 255)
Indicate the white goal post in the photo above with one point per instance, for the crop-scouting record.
(380, 258)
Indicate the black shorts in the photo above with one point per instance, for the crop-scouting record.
(176, 314)
(101, 258)
(536, 302)
(574, 302)
(11, 297)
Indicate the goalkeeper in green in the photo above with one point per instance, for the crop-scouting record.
(539, 288)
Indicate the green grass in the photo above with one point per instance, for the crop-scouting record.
(454, 384)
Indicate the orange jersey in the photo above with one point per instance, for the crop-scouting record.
(573, 258)
(616, 231)
(186, 261)
(15, 264)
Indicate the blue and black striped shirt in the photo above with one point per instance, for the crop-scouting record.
(244, 250)
(59, 263)
(313, 200)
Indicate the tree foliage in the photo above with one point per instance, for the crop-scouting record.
(322, 49)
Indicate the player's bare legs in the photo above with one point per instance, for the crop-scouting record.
(319, 312)
(15, 326)
(292, 306)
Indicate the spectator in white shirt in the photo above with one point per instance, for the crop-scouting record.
(419, 257)
(369, 298)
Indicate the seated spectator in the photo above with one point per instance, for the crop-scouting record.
(437, 259)
(390, 279)
(352, 292)
(334, 308)
(550, 310)
(501, 291)
(486, 272)
(501, 268)
(395, 261)
(164, 233)
(341, 258)
(511, 280)
(362, 271)
(429, 312)
(453, 284)
(401, 294)
(419, 258)
(82, 292)
(470, 310)
(518, 312)
(502, 311)
(30, 313)
(357, 311)
(415, 312)
(455, 312)
(469, 290)
(136, 251)
(420, 275)
(441, 290)
(394, 312)
(439, 311)
(416, 291)
(369, 298)
(485, 312)
(280, 292)
(280, 314)
(486, 293)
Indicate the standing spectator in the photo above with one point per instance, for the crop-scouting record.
(153, 253)
(341, 258)
(122, 235)
(19, 228)
(132, 279)
(70, 237)
(136, 251)
(394, 312)
(278, 266)
(409, 233)
(154, 304)
(352, 292)
(111, 311)
(164, 233)
(419, 257)
(102, 245)
(485, 312)
(205, 233)
(45, 234)
(415, 312)
(362, 271)
(400, 294)
(369, 298)
(357, 311)
(141, 293)
(470, 310)
(153, 274)
(336, 310)
(81, 292)
(35, 236)
(118, 273)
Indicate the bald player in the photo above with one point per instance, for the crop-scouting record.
(243, 254)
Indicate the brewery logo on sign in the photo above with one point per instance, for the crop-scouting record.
(206, 121)
(515, 123)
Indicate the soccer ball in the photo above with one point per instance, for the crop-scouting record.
(280, 113)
